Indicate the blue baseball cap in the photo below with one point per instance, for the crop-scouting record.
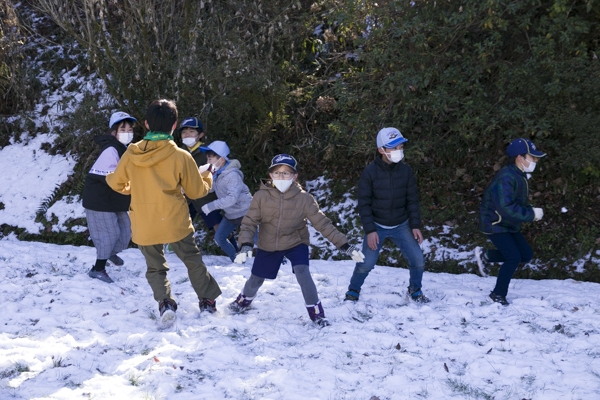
(218, 147)
(523, 146)
(284, 159)
(390, 138)
(192, 122)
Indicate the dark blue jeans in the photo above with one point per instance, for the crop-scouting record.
(402, 237)
(512, 249)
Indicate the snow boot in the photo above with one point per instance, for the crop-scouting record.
(241, 304)
(317, 315)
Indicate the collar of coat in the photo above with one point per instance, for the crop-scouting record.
(156, 135)
(194, 147)
(379, 161)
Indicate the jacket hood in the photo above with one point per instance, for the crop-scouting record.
(147, 153)
(233, 167)
(106, 141)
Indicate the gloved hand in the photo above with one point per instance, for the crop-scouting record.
(539, 214)
(204, 168)
(244, 253)
(205, 209)
(354, 253)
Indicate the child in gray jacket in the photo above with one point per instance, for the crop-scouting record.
(233, 196)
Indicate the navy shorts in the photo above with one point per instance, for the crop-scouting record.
(213, 218)
(266, 263)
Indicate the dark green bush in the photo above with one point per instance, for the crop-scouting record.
(459, 78)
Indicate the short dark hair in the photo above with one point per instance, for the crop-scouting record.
(511, 160)
(161, 115)
(211, 153)
(116, 126)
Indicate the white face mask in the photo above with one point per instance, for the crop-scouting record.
(395, 155)
(217, 164)
(125, 137)
(189, 141)
(283, 184)
(530, 167)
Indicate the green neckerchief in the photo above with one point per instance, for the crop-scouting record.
(154, 136)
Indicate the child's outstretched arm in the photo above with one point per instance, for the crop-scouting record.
(234, 184)
(118, 180)
(324, 225)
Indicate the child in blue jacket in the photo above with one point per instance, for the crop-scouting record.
(504, 207)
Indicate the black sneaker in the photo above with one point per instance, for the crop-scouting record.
(351, 295)
(499, 299)
(116, 260)
(419, 297)
(483, 264)
(101, 275)
(208, 305)
(167, 308)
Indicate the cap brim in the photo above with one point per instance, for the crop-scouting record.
(537, 154)
(130, 118)
(287, 165)
(187, 126)
(395, 142)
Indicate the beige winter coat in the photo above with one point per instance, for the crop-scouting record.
(283, 219)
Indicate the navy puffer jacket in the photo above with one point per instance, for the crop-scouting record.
(388, 195)
(505, 206)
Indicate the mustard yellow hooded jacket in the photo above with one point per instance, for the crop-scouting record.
(157, 174)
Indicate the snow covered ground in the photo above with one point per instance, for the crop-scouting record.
(66, 336)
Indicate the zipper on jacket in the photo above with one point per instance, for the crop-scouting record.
(279, 221)
(392, 191)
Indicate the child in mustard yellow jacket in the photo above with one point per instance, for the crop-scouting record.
(154, 171)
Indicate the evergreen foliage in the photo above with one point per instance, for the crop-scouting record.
(460, 79)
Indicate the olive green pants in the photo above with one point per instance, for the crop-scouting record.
(202, 281)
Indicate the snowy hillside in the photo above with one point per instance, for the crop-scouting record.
(66, 336)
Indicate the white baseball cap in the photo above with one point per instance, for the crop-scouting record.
(390, 138)
(218, 147)
(118, 117)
